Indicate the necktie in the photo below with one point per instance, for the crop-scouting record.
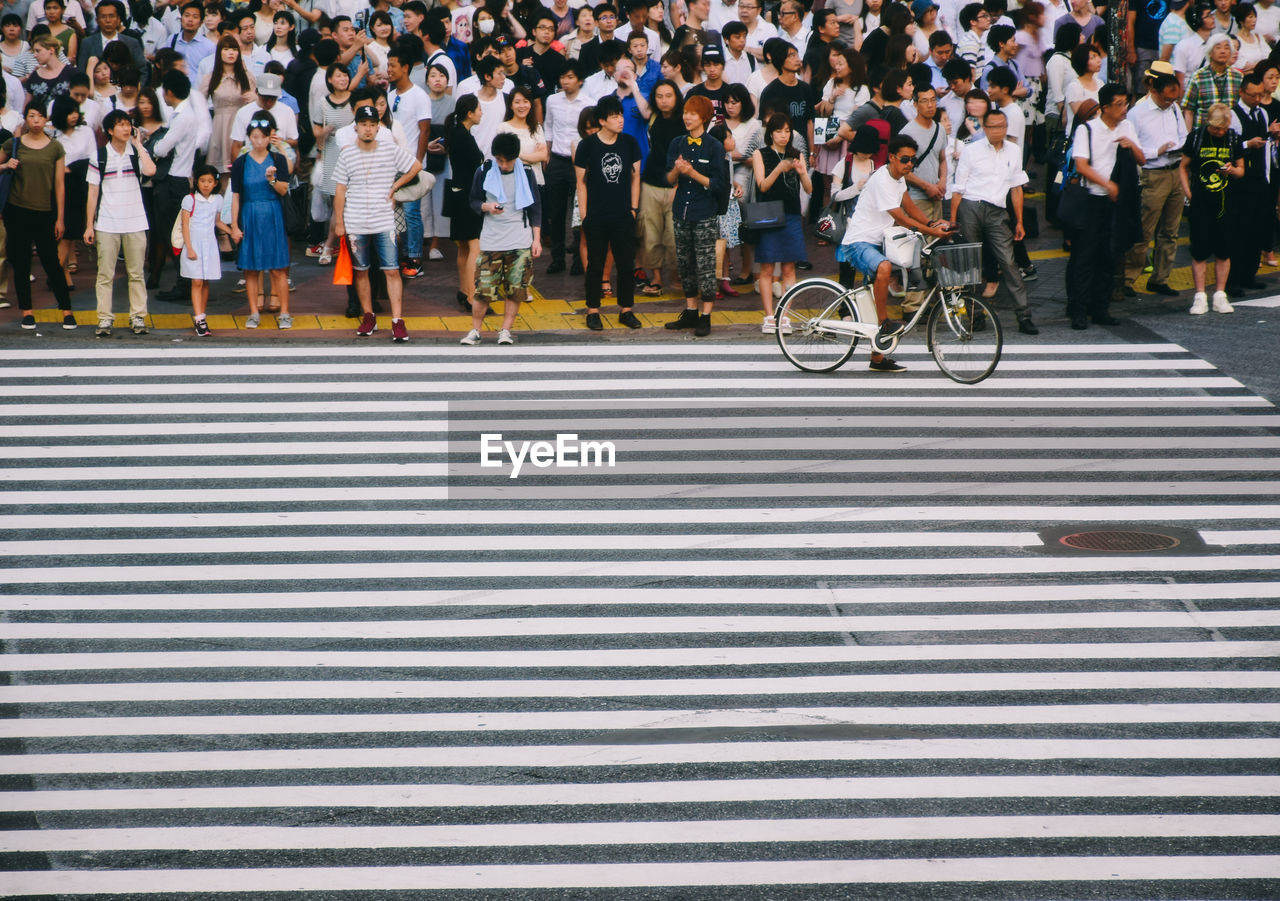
(1261, 121)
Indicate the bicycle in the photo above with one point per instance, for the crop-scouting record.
(963, 333)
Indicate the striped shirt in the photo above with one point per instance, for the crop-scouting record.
(369, 175)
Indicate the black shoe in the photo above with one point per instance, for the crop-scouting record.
(979, 322)
(153, 282)
(1254, 285)
(703, 327)
(377, 305)
(1030, 274)
(687, 319)
(1235, 291)
(353, 310)
(1079, 323)
(630, 320)
(28, 321)
(576, 268)
(743, 280)
(594, 323)
(1105, 319)
(1161, 288)
(804, 265)
(886, 365)
(463, 302)
(1027, 327)
(1129, 292)
(556, 267)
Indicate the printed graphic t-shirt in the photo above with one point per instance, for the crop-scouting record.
(608, 174)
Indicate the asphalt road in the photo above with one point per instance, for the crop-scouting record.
(270, 631)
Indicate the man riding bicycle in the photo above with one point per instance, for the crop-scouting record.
(883, 203)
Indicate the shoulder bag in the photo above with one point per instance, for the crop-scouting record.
(761, 215)
(1073, 205)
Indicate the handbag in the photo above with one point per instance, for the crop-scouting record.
(1073, 205)
(455, 198)
(834, 217)
(758, 215)
(175, 233)
(6, 176)
(417, 189)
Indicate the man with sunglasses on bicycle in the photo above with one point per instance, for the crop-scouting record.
(884, 202)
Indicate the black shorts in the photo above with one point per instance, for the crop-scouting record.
(1210, 227)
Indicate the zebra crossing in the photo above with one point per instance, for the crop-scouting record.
(270, 629)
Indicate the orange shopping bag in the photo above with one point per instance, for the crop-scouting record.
(342, 268)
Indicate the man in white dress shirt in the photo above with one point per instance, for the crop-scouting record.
(1162, 130)
(758, 30)
(990, 169)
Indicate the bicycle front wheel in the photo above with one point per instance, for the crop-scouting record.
(809, 320)
(965, 338)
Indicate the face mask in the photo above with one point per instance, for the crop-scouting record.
(486, 26)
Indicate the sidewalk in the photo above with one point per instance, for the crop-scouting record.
(556, 304)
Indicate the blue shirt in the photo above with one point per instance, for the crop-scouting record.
(635, 125)
(194, 51)
(461, 57)
(651, 75)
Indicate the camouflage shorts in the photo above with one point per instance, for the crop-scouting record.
(507, 271)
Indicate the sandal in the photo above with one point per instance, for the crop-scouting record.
(606, 289)
(326, 257)
(652, 290)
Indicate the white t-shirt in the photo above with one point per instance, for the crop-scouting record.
(490, 121)
(1017, 120)
(1188, 54)
(1268, 20)
(369, 176)
(471, 85)
(120, 211)
(1105, 143)
(286, 121)
(871, 216)
(409, 109)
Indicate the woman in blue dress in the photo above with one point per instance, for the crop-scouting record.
(257, 218)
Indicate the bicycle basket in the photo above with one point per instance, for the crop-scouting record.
(958, 265)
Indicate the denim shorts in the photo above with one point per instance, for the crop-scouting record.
(863, 256)
(384, 245)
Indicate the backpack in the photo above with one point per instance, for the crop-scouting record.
(102, 173)
(881, 156)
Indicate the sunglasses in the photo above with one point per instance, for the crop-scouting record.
(259, 123)
(906, 160)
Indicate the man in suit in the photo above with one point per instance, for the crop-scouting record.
(1256, 198)
(111, 15)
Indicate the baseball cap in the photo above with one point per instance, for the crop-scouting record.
(366, 114)
(269, 85)
(711, 54)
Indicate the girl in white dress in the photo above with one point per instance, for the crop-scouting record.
(200, 260)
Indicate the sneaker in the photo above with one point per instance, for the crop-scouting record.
(139, 326)
(240, 287)
(368, 325)
(411, 269)
(1199, 304)
(1220, 303)
(556, 267)
(435, 254)
(353, 310)
(688, 319)
(785, 325)
(28, 321)
(1030, 274)
(504, 337)
(576, 268)
(886, 365)
(202, 328)
(594, 323)
(4, 304)
(742, 280)
(315, 250)
(630, 320)
(252, 321)
(399, 334)
(103, 330)
(471, 339)
(284, 320)
(69, 322)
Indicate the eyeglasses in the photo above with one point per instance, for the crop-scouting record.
(986, 16)
(906, 160)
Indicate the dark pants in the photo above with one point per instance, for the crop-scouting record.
(1091, 268)
(167, 193)
(26, 228)
(620, 236)
(560, 189)
(1255, 208)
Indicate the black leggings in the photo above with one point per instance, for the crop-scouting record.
(24, 228)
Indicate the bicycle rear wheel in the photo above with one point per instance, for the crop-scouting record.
(965, 338)
(811, 308)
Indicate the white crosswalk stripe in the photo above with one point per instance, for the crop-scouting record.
(271, 630)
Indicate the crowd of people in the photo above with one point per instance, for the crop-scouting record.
(653, 139)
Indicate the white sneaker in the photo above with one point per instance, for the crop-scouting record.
(786, 325)
(1221, 304)
(472, 338)
(435, 254)
(769, 326)
(504, 337)
(1199, 304)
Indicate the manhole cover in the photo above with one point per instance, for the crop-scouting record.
(1105, 539)
(1120, 541)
